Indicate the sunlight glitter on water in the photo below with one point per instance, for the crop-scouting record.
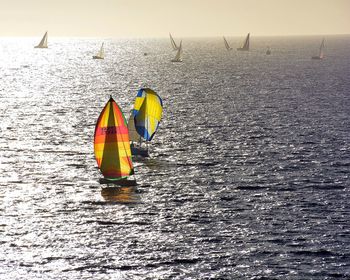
(239, 183)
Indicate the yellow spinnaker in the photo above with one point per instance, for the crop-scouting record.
(148, 109)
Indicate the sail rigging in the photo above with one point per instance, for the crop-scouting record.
(43, 42)
(227, 46)
(111, 143)
(245, 46)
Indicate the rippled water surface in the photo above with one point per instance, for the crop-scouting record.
(248, 176)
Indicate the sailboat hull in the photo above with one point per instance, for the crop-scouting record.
(138, 151)
(120, 182)
(39, 47)
(97, 57)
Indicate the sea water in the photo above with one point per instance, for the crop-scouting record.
(248, 176)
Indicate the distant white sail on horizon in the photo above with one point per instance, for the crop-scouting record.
(43, 42)
(178, 56)
(173, 43)
(100, 54)
(321, 52)
(227, 46)
(268, 51)
(245, 46)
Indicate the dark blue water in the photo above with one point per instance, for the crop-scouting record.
(248, 176)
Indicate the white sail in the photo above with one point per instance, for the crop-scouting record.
(100, 54)
(268, 51)
(321, 54)
(227, 46)
(173, 44)
(245, 46)
(133, 135)
(43, 42)
(178, 56)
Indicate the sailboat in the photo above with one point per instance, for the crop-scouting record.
(227, 46)
(268, 51)
(321, 53)
(245, 46)
(100, 54)
(112, 146)
(135, 139)
(43, 42)
(178, 56)
(173, 44)
(144, 120)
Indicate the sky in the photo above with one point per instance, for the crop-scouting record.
(185, 18)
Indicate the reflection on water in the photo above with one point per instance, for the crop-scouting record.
(153, 164)
(120, 194)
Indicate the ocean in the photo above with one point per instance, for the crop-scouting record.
(249, 174)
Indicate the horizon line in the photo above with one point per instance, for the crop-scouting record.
(167, 36)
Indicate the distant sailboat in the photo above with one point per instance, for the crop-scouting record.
(112, 146)
(245, 46)
(100, 54)
(268, 51)
(173, 44)
(178, 56)
(227, 46)
(321, 53)
(144, 120)
(43, 42)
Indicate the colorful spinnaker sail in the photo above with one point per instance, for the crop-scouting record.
(147, 112)
(111, 143)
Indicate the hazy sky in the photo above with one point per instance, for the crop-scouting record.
(156, 18)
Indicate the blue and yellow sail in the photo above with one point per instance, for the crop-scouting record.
(147, 112)
(111, 143)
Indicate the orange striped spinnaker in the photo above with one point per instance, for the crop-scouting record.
(111, 143)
